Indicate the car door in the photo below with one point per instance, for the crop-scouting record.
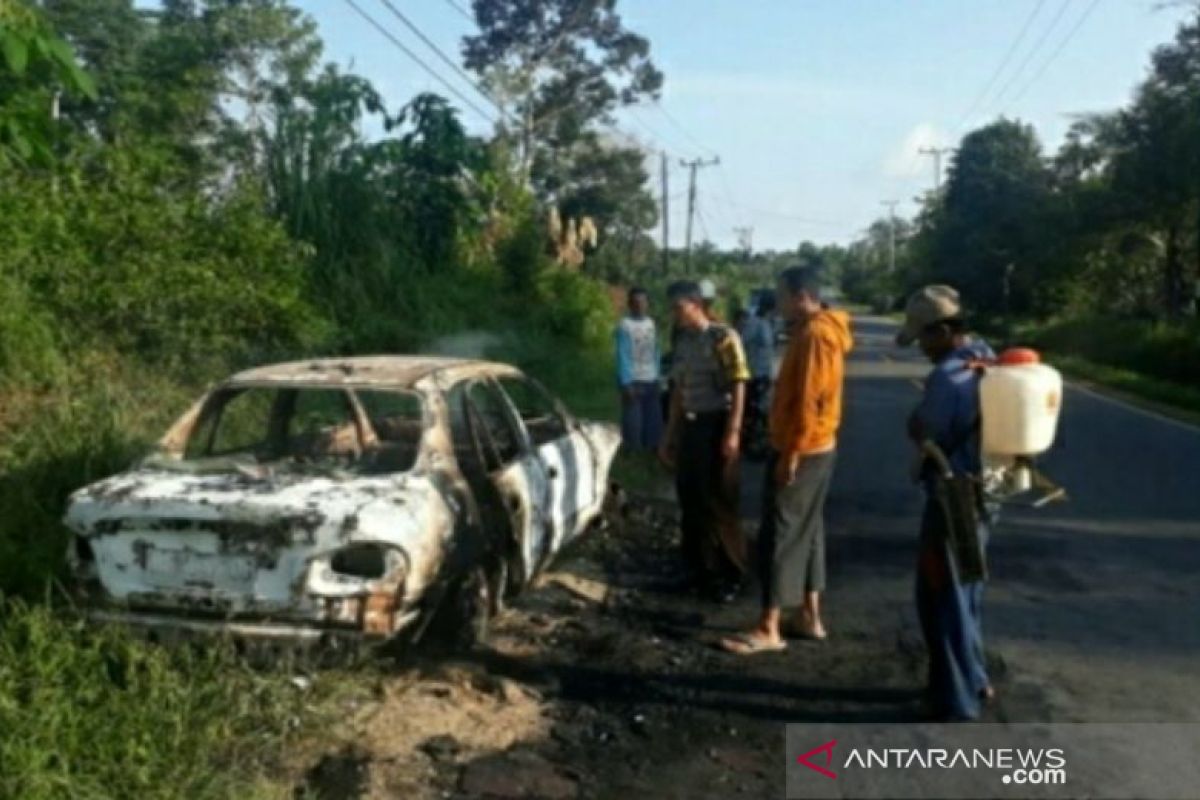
(517, 476)
(562, 448)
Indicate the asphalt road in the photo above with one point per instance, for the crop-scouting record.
(1093, 610)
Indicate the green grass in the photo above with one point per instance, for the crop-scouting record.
(94, 713)
(1171, 398)
(1152, 361)
(1166, 351)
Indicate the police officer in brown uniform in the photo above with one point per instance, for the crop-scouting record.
(703, 442)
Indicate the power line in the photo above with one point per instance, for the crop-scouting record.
(1058, 51)
(432, 45)
(655, 138)
(1004, 62)
(784, 215)
(727, 191)
(1062, 10)
(430, 70)
(679, 127)
(461, 10)
(655, 132)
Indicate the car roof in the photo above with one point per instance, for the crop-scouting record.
(395, 371)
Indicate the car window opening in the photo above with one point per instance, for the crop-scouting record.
(363, 431)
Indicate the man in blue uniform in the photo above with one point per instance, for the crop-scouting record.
(949, 589)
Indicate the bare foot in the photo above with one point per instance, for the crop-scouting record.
(751, 643)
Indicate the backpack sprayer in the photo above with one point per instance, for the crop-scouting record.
(1020, 404)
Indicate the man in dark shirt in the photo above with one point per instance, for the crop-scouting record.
(949, 602)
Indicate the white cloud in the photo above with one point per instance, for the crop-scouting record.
(905, 160)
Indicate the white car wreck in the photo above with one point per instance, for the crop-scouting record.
(342, 498)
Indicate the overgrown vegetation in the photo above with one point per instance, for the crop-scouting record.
(94, 713)
(185, 190)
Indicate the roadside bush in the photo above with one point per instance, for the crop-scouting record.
(28, 346)
(574, 308)
(1159, 349)
(55, 438)
(93, 713)
(118, 261)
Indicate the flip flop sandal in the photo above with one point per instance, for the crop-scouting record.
(748, 644)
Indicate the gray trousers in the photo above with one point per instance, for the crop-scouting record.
(791, 540)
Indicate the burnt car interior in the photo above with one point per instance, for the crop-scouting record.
(538, 411)
(374, 432)
(485, 441)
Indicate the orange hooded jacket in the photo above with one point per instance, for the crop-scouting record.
(807, 408)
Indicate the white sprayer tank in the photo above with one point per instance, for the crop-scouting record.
(1020, 401)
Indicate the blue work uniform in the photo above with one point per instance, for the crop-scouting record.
(951, 610)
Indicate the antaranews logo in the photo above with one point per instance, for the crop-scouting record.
(1019, 766)
(826, 750)
(985, 761)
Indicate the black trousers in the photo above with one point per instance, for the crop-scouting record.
(714, 548)
(791, 540)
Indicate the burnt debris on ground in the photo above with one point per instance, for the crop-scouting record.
(605, 681)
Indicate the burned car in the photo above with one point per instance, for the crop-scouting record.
(346, 498)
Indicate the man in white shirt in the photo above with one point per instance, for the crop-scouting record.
(638, 375)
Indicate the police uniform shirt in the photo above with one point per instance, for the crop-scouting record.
(707, 364)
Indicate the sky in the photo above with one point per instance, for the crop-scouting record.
(816, 108)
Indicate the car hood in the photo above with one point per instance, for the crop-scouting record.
(302, 500)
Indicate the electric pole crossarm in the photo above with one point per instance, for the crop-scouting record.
(936, 154)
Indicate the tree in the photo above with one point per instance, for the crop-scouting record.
(1157, 161)
(193, 77)
(989, 241)
(602, 180)
(559, 66)
(1129, 179)
(36, 68)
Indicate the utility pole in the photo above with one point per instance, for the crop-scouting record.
(936, 153)
(693, 166)
(666, 215)
(891, 207)
(745, 238)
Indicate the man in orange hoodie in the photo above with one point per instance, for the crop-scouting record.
(805, 415)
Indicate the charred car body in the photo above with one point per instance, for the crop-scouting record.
(329, 499)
